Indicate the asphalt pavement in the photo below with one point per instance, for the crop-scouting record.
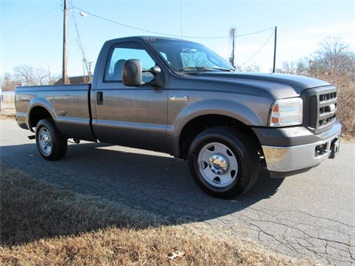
(310, 215)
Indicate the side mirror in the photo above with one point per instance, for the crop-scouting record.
(159, 80)
(132, 73)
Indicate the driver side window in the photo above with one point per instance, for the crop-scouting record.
(119, 54)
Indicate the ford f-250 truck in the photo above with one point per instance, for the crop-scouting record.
(178, 97)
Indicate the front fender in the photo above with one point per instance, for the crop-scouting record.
(253, 113)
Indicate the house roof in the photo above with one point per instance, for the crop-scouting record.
(75, 80)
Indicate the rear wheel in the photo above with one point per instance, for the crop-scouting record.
(51, 144)
(223, 162)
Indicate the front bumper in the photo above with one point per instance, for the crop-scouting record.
(298, 148)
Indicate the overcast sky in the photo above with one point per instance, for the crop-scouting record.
(32, 31)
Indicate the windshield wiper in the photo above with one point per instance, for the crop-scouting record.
(203, 68)
(224, 69)
(197, 68)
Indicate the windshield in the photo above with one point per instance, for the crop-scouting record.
(184, 56)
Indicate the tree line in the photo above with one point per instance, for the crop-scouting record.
(27, 76)
(333, 62)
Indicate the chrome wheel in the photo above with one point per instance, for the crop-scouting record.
(45, 141)
(218, 165)
(50, 143)
(223, 162)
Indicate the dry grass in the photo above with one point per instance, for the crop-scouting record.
(346, 110)
(44, 225)
(346, 102)
(31, 210)
(7, 117)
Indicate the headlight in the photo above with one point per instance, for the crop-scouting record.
(286, 112)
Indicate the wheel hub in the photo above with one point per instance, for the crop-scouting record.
(218, 164)
(45, 141)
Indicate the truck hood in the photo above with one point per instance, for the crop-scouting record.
(281, 85)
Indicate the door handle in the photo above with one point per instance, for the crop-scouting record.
(100, 98)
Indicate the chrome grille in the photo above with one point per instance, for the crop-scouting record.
(327, 96)
(322, 104)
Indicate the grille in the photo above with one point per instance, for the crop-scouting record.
(321, 108)
(327, 96)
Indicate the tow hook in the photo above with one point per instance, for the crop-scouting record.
(77, 141)
(334, 147)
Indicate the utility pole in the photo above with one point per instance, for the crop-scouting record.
(90, 73)
(64, 70)
(275, 42)
(49, 75)
(232, 35)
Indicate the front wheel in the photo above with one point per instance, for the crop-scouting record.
(223, 162)
(51, 144)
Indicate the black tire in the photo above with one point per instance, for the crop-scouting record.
(51, 144)
(223, 162)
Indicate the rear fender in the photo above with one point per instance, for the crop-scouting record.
(35, 103)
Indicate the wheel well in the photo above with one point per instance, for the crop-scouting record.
(37, 114)
(199, 124)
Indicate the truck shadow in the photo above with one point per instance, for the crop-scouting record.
(156, 183)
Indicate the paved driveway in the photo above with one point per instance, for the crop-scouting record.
(308, 215)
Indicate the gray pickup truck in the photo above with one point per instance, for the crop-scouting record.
(180, 98)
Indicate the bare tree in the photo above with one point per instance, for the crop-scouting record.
(41, 76)
(25, 74)
(288, 68)
(8, 82)
(53, 78)
(28, 76)
(332, 58)
(334, 63)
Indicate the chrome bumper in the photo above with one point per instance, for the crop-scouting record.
(294, 158)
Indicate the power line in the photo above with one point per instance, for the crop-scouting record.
(253, 33)
(268, 39)
(123, 25)
(161, 33)
(78, 41)
(32, 21)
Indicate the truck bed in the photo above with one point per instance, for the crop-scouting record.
(68, 105)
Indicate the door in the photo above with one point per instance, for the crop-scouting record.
(129, 116)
